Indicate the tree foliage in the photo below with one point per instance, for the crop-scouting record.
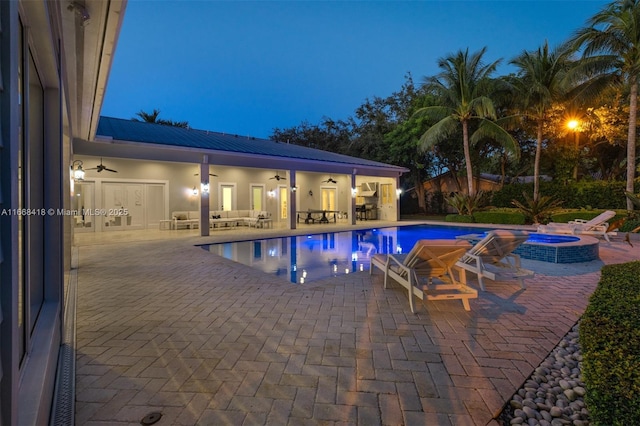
(152, 117)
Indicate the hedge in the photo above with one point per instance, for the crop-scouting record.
(584, 194)
(459, 218)
(500, 217)
(610, 341)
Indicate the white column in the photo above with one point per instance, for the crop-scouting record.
(292, 202)
(204, 196)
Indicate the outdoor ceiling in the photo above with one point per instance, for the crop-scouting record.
(88, 49)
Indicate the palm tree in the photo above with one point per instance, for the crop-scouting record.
(611, 53)
(153, 118)
(147, 117)
(540, 82)
(463, 86)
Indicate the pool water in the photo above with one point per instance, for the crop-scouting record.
(309, 258)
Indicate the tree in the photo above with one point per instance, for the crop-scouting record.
(611, 54)
(147, 117)
(153, 118)
(463, 86)
(541, 81)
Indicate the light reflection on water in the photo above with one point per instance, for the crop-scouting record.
(309, 258)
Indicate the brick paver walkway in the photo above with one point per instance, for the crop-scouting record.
(165, 326)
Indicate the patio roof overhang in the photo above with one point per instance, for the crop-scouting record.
(107, 147)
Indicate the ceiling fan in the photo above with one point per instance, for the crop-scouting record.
(330, 180)
(278, 177)
(102, 167)
(210, 174)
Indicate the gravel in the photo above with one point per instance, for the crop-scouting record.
(554, 394)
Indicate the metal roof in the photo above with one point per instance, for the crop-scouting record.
(118, 129)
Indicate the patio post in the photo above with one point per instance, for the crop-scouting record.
(353, 196)
(204, 196)
(292, 202)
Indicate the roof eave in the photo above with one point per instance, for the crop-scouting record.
(148, 151)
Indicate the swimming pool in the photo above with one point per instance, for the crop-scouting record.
(308, 258)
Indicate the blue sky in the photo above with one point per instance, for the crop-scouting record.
(246, 67)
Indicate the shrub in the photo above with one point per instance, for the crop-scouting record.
(596, 194)
(500, 217)
(630, 225)
(459, 218)
(466, 204)
(537, 211)
(610, 341)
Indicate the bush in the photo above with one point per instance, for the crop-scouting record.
(537, 211)
(459, 218)
(593, 194)
(630, 225)
(500, 217)
(610, 341)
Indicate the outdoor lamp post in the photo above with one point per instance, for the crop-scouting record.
(574, 125)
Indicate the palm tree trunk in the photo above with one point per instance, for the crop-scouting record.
(467, 156)
(631, 139)
(536, 164)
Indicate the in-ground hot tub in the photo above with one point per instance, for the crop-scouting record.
(555, 248)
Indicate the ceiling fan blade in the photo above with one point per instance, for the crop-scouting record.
(111, 170)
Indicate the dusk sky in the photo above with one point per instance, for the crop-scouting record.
(247, 67)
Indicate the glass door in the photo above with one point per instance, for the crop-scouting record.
(227, 197)
(283, 201)
(257, 197)
(329, 199)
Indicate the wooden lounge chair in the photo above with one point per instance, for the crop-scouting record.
(493, 258)
(430, 259)
(597, 226)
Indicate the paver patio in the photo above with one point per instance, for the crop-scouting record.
(165, 326)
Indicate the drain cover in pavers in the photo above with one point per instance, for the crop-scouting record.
(151, 418)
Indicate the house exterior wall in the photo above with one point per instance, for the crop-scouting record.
(182, 178)
(31, 179)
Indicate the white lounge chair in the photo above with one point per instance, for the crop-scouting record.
(427, 259)
(597, 226)
(493, 258)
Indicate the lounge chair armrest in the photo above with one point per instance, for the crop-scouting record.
(397, 263)
(578, 221)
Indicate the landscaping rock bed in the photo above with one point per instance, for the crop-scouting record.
(554, 394)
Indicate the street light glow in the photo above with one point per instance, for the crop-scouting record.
(573, 124)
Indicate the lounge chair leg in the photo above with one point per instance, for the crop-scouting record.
(465, 303)
(411, 294)
(481, 282)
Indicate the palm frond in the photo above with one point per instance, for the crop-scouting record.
(432, 113)
(634, 199)
(438, 132)
(491, 130)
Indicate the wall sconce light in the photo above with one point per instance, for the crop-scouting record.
(354, 192)
(310, 193)
(398, 192)
(194, 191)
(294, 188)
(78, 173)
(271, 193)
(204, 187)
